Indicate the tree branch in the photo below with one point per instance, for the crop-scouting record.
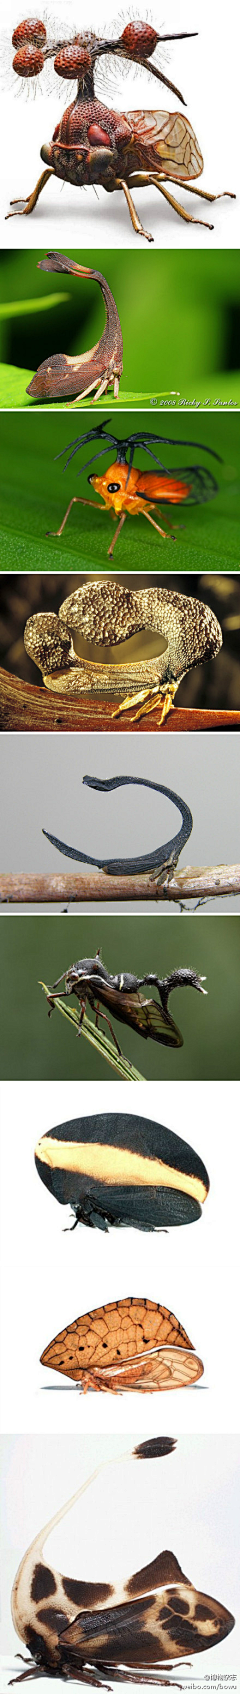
(24, 707)
(198, 882)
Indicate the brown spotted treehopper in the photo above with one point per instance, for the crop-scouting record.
(129, 1344)
(93, 144)
(91, 982)
(93, 1632)
(101, 367)
(117, 1168)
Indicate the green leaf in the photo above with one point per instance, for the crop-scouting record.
(14, 381)
(36, 491)
(21, 308)
(104, 1047)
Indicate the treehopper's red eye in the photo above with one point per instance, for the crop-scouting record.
(28, 61)
(72, 61)
(98, 137)
(31, 30)
(139, 40)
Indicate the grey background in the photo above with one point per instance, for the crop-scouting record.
(42, 787)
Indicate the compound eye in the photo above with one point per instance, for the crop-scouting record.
(113, 487)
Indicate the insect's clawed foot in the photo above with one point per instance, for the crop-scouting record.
(23, 203)
(148, 700)
(30, 200)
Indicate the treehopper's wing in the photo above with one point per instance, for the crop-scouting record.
(145, 1633)
(147, 1017)
(166, 142)
(129, 1343)
(193, 484)
(162, 1368)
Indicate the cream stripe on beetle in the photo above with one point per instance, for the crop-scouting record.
(116, 1165)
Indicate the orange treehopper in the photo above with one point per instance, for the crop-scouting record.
(127, 489)
(128, 1344)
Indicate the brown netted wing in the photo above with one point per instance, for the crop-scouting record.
(161, 1369)
(145, 1016)
(165, 141)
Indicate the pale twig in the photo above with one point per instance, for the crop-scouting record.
(196, 882)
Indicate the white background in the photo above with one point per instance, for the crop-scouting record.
(50, 1277)
(207, 72)
(187, 1501)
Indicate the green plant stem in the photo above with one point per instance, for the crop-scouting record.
(117, 1060)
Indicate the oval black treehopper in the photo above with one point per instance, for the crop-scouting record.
(118, 1168)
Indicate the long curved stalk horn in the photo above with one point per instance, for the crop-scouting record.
(101, 367)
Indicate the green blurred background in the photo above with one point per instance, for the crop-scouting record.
(33, 1047)
(180, 317)
(36, 491)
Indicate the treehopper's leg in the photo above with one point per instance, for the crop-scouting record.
(148, 699)
(82, 1015)
(116, 387)
(163, 875)
(174, 203)
(134, 700)
(103, 1015)
(133, 214)
(101, 390)
(157, 526)
(117, 532)
(77, 500)
(190, 189)
(90, 1379)
(147, 1679)
(31, 199)
(166, 702)
(139, 179)
(84, 393)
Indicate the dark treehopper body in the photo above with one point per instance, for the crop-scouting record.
(91, 982)
(95, 1632)
(162, 861)
(93, 144)
(119, 1169)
